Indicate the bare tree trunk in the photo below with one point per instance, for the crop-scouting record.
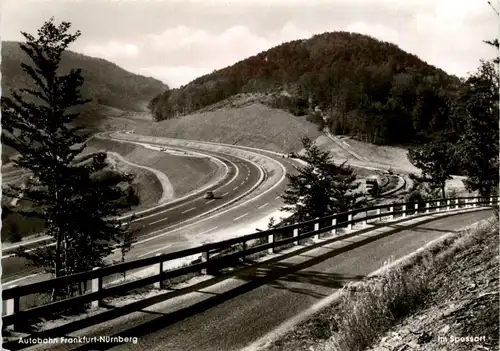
(57, 258)
(57, 263)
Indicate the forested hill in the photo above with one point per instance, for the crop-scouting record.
(106, 83)
(359, 85)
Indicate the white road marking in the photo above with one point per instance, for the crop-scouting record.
(157, 250)
(158, 221)
(29, 250)
(224, 194)
(240, 217)
(277, 197)
(188, 210)
(267, 203)
(235, 187)
(18, 280)
(208, 231)
(206, 203)
(243, 182)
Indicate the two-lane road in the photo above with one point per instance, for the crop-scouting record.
(265, 296)
(242, 309)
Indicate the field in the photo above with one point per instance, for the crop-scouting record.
(254, 125)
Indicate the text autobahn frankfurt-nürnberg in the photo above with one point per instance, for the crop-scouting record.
(79, 340)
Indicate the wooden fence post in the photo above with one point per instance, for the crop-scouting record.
(416, 209)
(334, 222)
(12, 308)
(243, 248)
(159, 283)
(270, 239)
(447, 205)
(391, 211)
(205, 256)
(404, 211)
(316, 228)
(295, 235)
(427, 207)
(349, 219)
(438, 203)
(97, 286)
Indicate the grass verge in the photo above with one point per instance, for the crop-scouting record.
(185, 173)
(366, 311)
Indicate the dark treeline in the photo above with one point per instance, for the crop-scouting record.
(356, 84)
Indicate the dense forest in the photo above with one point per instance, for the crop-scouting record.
(356, 84)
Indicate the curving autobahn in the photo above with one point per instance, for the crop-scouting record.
(194, 220)
(172, 225)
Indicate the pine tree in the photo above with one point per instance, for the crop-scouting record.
(320, 187)
(69, 192)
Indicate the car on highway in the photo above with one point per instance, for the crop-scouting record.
(209, 195)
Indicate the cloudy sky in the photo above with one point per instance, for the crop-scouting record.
(179, 40)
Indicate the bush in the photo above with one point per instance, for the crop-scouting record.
(415, 196)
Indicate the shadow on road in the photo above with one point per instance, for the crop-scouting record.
(255, 275)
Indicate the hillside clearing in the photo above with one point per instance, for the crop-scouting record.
(254, 125)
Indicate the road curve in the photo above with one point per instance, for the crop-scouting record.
(232, 312)
(241, 177)
(241, 319)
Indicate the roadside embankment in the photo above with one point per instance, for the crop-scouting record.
(444, 297)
